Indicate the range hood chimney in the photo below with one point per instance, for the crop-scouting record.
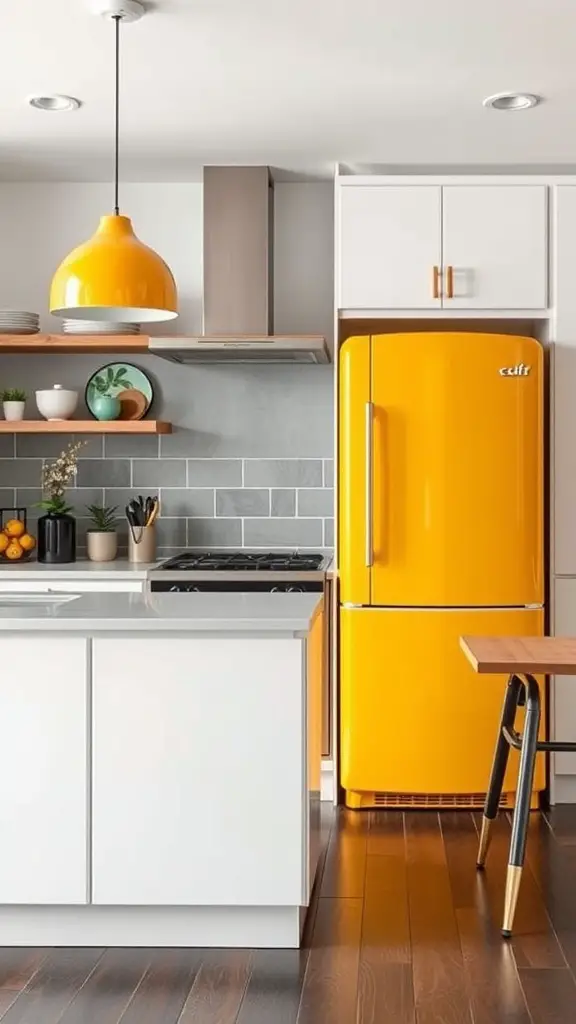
(238, 304)
(238, 251)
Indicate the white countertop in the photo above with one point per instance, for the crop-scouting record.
(120, 569)
(287, 614)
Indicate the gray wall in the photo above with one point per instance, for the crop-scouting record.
(249, 462)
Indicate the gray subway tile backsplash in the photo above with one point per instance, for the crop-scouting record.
(187, 501)
(283, 502)
(178, 444)
(243, 501)
(204, 502)
(316, 501)
(20, 472)
(215, 533)
(7, 446)
(159, 473)
(7, 497)
(171, 533)
(103, 473)
(131, 446)
(80, 497)
(49, 446)
(214, 472)
(28, 498)
(283, 473)
(283, 533)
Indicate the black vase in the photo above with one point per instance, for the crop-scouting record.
(56, 538)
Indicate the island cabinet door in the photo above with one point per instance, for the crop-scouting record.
(199, 772)
(43, 770)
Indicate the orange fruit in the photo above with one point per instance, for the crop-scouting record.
(14, 528)
(26, 541)
(4, 542)
(14, 550)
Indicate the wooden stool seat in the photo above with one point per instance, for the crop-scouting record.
(538, 655)
(522, 658)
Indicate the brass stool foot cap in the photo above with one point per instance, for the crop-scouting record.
(485, 837)
(513, 878)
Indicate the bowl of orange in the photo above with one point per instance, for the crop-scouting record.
(16, 542)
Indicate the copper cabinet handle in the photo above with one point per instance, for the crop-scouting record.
(436, 282)
(449, 282)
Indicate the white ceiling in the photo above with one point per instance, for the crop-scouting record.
(296, 84)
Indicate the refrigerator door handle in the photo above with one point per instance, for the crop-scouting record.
(369, 427)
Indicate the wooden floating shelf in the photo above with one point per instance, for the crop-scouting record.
(85, 427)
(73, 343)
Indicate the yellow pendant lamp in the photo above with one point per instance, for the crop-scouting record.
(114, 276)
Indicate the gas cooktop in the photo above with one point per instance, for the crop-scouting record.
(243, 561)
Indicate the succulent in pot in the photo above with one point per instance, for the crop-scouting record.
(102, 539)
(13, 403)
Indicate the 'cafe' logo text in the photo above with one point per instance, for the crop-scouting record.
(520, 370)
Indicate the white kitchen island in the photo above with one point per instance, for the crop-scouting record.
(137, 807)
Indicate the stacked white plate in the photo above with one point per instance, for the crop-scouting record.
(98, 327)
(17, 321)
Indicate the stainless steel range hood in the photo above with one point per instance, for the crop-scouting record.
(238, 279)
(275, 349)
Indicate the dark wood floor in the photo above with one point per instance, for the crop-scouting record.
(402, 931)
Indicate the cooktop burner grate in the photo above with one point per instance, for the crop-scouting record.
(245, 561)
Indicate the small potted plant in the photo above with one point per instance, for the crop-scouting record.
(102, 539)
(57, 528)
(13, 403)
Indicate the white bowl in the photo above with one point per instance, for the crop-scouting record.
(57, 403)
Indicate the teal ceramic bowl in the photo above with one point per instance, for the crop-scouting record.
(105, 407)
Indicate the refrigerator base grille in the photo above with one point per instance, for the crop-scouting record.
(465, 801)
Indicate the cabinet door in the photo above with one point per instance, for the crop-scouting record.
(565, 686)
(495, 246)
(43, 770)
(186, 807)
(389, 247)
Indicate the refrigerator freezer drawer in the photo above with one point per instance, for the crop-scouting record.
(416, 720)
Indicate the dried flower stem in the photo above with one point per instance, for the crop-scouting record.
(56, 476)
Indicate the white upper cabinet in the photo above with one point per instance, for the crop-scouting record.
(390, 247)
(427, 247)
(495, 246)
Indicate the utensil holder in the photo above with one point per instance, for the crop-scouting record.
(142, 544)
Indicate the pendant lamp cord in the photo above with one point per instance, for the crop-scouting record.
(117, 20)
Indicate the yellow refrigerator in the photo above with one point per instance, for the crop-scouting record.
(440, 534)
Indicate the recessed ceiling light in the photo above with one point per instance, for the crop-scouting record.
(512, 100)
(54, 103)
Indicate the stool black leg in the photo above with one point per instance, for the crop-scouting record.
(499, 764)
(523, 798)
